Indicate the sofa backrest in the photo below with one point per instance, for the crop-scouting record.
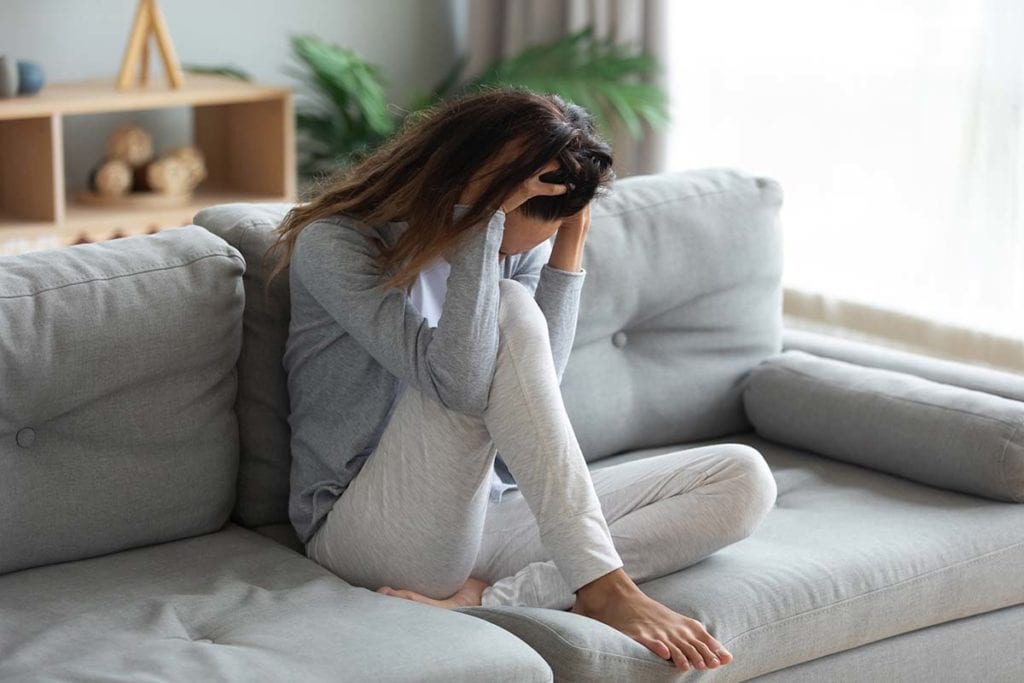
(683, 296)
(117, 384)
(262, 404)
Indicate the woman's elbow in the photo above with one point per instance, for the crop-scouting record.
(464, 388)
(466, 400)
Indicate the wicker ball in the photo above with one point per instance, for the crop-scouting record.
(112, 178)
(194, 162)
(131, 144)
(168, 175)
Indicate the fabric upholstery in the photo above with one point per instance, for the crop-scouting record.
(931, 432)
(683, 296)
(580, 649)
(235, 606)
(284, 534)
(116, 420)
(848, 556)
(262, 400)
(983, 647)
(959, 374)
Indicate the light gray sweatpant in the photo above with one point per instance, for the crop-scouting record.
(418, 516)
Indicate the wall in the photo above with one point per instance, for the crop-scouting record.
(413, 41)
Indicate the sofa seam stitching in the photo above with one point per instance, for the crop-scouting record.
(910, 579)
(685, 198)
(873, 392)
(582, 648)
(166, 265)
(1003, 460)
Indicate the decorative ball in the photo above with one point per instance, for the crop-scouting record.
(131, 144)
(194, 162)
(30, 78)
(167, 175)
(112, 178)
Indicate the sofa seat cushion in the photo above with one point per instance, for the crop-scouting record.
(235, 606)
(848, 556)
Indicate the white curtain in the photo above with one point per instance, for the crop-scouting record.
(897, 132)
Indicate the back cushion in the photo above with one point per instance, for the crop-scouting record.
(117, 426)
(263, 406)
(683, 296)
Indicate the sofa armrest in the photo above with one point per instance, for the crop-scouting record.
(934, 433)
(873, 355)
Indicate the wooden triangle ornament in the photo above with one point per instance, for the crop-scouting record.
(149, 20)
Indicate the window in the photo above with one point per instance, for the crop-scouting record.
(895, 129)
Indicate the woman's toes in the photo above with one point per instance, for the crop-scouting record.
(658, 647)
(710, 658)
(679, 658)
(694, 656)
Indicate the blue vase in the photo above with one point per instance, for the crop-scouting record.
(30, 78)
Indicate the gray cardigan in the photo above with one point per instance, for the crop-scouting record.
(350, 340)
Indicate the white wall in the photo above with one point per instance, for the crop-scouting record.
(413, 41)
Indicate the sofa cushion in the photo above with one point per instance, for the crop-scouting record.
(934, 433)
(262, 403)
(683, 296)
(116, 420)
(235, 606)
(958, 373)
(580, 649)
(994, 654)
(847, 556)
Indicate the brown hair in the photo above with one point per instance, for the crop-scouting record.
(419, 174)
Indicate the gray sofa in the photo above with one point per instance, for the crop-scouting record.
(144, 466)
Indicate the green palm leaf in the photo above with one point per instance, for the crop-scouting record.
(345, 109)
(594, 73)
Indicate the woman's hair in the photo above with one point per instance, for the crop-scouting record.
(420, 173)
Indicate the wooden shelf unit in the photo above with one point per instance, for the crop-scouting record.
(245, 131)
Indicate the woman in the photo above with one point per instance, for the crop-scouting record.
(432, 318)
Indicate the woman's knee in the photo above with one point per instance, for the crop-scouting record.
(757, 483)
(518, 310)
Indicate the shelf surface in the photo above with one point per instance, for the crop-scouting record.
(99, 223)
(101, 95)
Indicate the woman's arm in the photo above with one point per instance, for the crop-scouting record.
(557, 293)
(453, 362)
(555, 276)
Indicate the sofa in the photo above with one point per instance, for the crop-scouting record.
(144, 470)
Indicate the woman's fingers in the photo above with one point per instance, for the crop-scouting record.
(553, 189)
(544, 187)
(549, 167)
(538, 186)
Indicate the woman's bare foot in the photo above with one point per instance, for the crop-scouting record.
(615, 600)
(469, 595)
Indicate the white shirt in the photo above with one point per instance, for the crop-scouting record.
(428, 295)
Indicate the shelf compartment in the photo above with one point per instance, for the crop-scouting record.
(31, 170)
(248, 146)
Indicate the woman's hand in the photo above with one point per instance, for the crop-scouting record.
(567, 252)
(533, 187)
(578, 222)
